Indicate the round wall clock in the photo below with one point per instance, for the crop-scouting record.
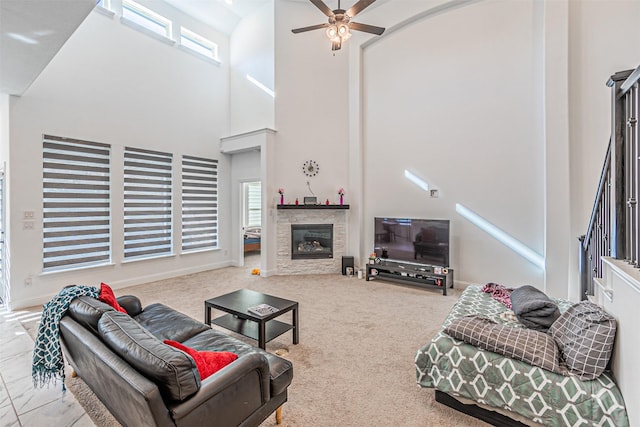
(310, 168)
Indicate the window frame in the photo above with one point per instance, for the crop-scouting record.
(200, 205)
(76, 179)
(247, 191)
(148, 204)
(198, 40)
(147, 21)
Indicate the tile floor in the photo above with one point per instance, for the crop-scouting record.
(20, 403)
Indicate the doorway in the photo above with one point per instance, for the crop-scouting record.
(252, 222)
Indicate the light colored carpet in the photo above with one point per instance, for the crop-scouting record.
(354, 365)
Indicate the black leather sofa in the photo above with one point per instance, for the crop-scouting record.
(144, 382)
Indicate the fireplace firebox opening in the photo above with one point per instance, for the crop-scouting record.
(311, 241)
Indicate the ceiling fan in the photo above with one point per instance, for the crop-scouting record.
(339, 27)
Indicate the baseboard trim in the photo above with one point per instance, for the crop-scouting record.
(139, 280)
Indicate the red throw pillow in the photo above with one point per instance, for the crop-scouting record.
(107, 296)
(207, 362)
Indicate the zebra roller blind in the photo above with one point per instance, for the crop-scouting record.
(199, 203)
(253, 203)
(147, 203)
(76, 207)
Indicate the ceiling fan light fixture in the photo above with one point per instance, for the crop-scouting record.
(332, 32)
(344, 32)
(339, 28)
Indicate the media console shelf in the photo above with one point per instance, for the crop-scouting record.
(426, 276)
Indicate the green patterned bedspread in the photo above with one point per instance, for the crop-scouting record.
(461, 369)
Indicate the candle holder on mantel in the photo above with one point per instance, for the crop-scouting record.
(341, 194)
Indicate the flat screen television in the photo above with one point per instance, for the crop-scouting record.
(422, 241)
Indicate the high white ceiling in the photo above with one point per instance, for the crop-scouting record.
(33, 31)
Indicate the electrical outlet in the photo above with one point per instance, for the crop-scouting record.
(28, 281)
(28, 215)
(28, 225)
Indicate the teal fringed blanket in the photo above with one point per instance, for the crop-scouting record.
(48, 364)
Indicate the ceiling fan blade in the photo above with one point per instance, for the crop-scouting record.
(366, 28)
(312, 27)
(336, 44)
(323, 7)
(358, 7)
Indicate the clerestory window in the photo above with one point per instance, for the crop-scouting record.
(198, 44)
(146, 18)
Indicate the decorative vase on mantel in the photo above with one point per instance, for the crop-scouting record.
(341, 199)
(282, 199)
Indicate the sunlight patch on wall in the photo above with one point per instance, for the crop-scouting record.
(503, 237)
(416, 180)
(261, 86)
(22, 38)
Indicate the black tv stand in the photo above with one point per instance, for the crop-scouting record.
(423, 275)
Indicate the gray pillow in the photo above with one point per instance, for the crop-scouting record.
(585, 334)
(529, 346)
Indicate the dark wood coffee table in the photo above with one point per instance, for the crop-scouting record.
(242, 321)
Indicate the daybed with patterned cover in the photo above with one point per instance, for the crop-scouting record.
(501, 389)
(252, 239)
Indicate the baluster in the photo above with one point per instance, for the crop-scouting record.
(634, 142)
(629, 185)
(631, 180)
(607, 213)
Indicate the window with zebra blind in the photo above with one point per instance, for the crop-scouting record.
(148, 219)
(76, 203)
(199, 204)
(253, 204)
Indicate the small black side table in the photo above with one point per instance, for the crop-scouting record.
(243, 322)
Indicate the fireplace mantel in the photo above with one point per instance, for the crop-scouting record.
(313, 206)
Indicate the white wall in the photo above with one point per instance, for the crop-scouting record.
(618, 292)
(115, 85)
(602, 41)
(459, 106)
(476, 84)
(252, 53)
(486, 94)
(446, 97)
(312, 116)
(4, 165)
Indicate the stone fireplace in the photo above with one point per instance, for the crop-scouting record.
(311, 241)
(318, 223)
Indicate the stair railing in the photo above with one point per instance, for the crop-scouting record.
(614, 224)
